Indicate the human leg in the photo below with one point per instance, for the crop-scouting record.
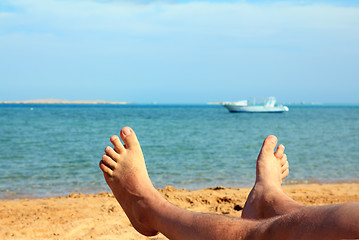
(289, 219)
(125, 172)
(267, 198)
(330, 222)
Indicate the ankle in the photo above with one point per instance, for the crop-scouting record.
(163, 213)
(151, 209)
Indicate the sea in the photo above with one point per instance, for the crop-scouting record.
(51, 150)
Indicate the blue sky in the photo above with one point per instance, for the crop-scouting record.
(179, 51)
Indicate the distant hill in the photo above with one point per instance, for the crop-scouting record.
(57, 101)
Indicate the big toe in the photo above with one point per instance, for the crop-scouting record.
(129, 138)
(269, 144)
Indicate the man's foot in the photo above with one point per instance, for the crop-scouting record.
(267, 198)
(125, 172)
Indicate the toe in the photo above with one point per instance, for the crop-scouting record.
(280, 151)
(269, 144)
(283, 160)
(129, 138)
(109, 162)
(105, 169)
(285, 166)
(115, 140)
(111, 153)
(285, 174)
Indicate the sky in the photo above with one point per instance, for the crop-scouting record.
(179, 51)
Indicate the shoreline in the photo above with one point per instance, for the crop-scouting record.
(99, 216)
(9, 196)
(218, 104)
(58, 101)
(169, 188)
(16, 197)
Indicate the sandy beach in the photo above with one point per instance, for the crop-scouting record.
(99, 216)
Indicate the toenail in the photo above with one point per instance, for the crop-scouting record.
(126, 131)
(273, 139)
(113, 138)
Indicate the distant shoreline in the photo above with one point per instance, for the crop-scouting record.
(56, 101)
(99, 102)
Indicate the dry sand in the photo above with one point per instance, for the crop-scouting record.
(99, 216)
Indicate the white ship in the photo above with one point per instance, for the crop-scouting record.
(267, 105)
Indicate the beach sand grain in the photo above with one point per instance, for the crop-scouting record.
(99, 216)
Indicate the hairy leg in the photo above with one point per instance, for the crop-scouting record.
(125, 172)
(331, 222)
(267, 198)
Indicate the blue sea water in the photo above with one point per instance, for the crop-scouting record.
(50, 150)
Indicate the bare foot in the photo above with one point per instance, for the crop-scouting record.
(125, 172)
(267, 198)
